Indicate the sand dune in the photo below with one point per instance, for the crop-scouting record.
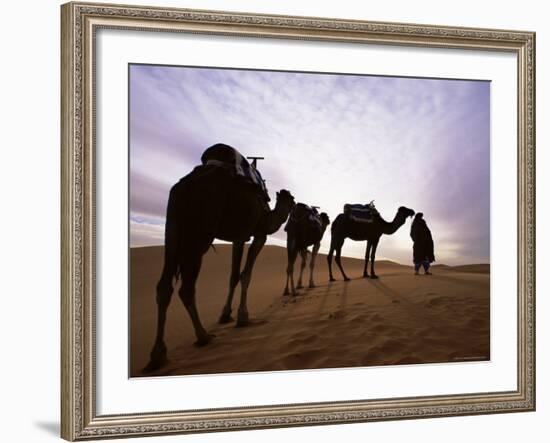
(477, 269)
(398, 319)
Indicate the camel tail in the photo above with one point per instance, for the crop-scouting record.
(172, 268)
(171, 255)
(330, 252)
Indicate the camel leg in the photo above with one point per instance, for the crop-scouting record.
(291, 259)
(335, 245)
(246, 275)
(339, 263)
(287, 291)
(367, 255)
(237, 255)
(303, 253)
(164, 295)
(373, 254)
(314, 252)
(289, 248)
(329, 261)
(187, 295)
(292, 254)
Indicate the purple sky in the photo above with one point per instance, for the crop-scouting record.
(330, 140)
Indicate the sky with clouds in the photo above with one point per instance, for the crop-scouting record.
(328, 138)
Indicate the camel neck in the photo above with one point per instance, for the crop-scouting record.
(389, 228)
(276, 218)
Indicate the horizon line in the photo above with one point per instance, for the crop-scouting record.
(345, 256)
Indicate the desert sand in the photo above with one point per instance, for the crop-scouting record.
(398, 319)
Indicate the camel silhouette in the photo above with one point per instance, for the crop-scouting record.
(302, 232)
(344, 227)
(211, 202)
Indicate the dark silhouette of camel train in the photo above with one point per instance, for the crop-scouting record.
(226, 198)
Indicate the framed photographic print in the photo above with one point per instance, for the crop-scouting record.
(281, 221)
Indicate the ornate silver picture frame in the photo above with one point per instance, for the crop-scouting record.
(80, 24)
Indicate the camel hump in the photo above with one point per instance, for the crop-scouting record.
(220, 152)
(222, 155)
(302, 212)
(360, 212)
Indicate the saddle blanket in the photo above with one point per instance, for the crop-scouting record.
(361, 213)
(227, 156)
(311, 213)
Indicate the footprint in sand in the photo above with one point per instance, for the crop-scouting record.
(379, 329)
(335, 315)
(438, 301)
(359, 318)
(299, 339)
(302, 359)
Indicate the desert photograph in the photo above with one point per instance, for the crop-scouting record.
(299, 220)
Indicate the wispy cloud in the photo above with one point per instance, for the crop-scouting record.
(329, 139)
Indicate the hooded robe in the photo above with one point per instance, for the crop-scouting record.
(423, 248)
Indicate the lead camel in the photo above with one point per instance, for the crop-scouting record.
(345, 227)
(211, 203)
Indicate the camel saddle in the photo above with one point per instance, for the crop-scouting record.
(225, 156)
(306, 212)
(361, 213)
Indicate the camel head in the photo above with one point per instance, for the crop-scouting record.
(325, 221)
(405, 212)
(285, 201)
